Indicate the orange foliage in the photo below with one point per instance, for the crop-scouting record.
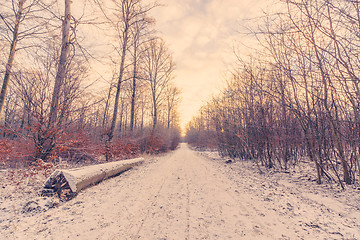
(17, 152)
(124, 149)
(155, 144)
(76, 146)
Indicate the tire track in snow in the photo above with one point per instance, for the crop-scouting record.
(187, 209)
(152, 204)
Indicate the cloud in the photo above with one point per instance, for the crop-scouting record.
(200, 33)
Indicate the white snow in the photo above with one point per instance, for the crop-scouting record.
(183, 195)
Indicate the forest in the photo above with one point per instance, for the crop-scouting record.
(93, 106)
(92, 110)
(55, 103)
(296, 99)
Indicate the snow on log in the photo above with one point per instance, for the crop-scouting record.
(67, 183)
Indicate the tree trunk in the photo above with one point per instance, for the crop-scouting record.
(168, 118)
(121, 118)
(118, 87)
(106, 108)
(132, 117)
(61, 71)
(155, 114)
(142, 118)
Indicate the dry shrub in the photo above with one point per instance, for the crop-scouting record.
(124, 149)
(5, 151)
(202, 140)
(174, 139)
(162, 141)
(17, 152)
(29, 175)
(155, 144)
(76, 147)
(150, 143)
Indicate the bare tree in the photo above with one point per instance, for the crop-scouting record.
(123, 17)
(158, 68)
(12, 16)
(172, 101)
(140, 34)
(300, 98)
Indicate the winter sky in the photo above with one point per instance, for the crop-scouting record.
(201, 35)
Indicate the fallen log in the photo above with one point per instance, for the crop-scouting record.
(67, 183)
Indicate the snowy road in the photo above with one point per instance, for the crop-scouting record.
(183, 195)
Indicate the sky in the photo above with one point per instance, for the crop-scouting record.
(201, 35)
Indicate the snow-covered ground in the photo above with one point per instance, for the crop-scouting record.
(184, 195)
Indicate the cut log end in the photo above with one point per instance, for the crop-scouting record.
(57, 184)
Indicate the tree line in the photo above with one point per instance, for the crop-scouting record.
(53, 100)
(296, 99)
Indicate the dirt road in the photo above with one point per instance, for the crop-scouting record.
(183, 195)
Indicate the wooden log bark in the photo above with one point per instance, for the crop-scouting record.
(67, 183)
